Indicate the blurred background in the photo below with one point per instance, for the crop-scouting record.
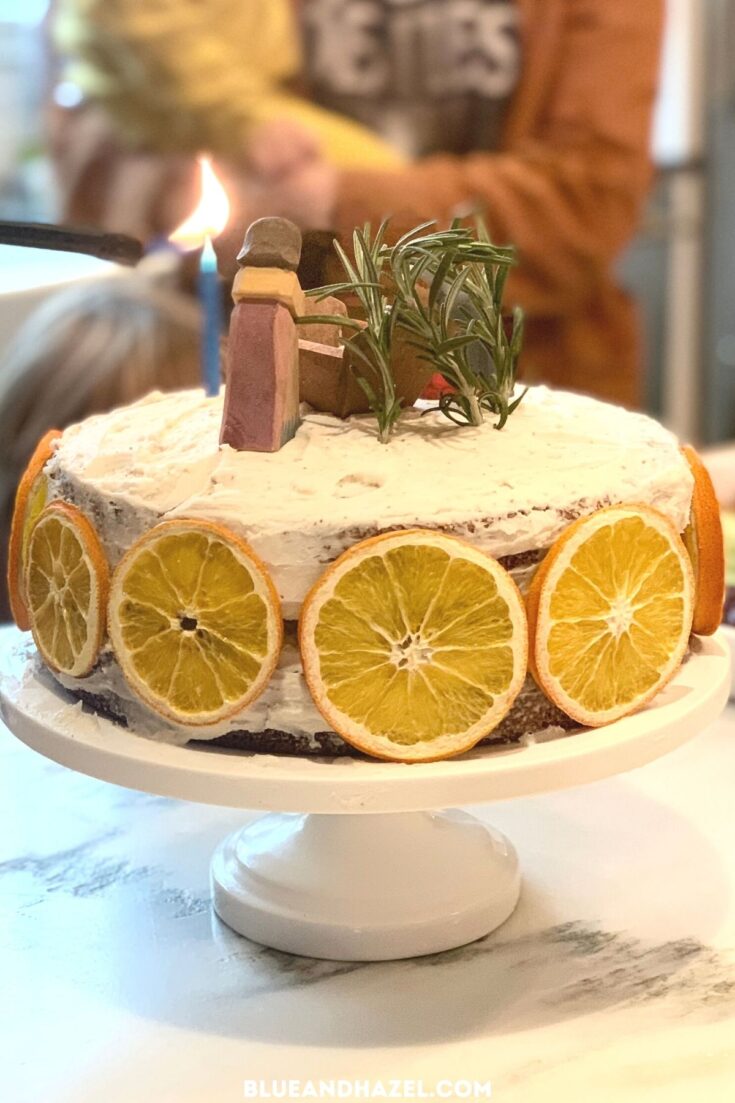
(680, 264)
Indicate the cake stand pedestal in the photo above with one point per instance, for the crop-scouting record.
(366, 888)
(352, 862)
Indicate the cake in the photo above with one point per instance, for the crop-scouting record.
(510, 494)
(311, 561)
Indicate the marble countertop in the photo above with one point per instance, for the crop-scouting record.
(614, 980)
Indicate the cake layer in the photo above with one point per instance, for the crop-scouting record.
(284, 719)
(510, 493)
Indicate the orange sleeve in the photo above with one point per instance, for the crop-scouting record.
(569, 196)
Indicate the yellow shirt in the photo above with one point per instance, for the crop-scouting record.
(186, 76)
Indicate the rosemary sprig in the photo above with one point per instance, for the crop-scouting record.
(447, 297)
(460, 329)
(369, 344)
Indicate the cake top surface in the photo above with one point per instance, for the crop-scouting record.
(559, 450)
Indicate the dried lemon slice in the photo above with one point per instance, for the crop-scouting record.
(30, 498)
(610, 612)
(195, 621)
(414, 645)
(66, 584)
(705, 544)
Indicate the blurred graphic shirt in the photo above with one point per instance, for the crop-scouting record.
(429, 75)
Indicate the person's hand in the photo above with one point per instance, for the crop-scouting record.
(284, 175)
(306, 195)
(301, 186)
(280, 147)
(288, 175)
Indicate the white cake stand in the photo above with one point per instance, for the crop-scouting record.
(352, 863)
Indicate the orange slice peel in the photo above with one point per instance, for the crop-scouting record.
(706, 546)
(30, 499)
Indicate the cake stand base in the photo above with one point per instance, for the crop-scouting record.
(365, 888)
(351, 863)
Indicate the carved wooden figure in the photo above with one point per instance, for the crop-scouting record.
(261, 408)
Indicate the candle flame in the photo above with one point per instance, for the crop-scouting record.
(209, 218)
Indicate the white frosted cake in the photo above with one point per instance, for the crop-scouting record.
(510, 493)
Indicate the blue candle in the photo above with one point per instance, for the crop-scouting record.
(211, 303)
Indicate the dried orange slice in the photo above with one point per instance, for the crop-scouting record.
(705, 544)
(414, 645)
(610, 612)
(30, 498)
(195, 621)
(66, 585)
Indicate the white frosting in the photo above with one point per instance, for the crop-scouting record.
(559, 456)
(29, 690)
(285, 704)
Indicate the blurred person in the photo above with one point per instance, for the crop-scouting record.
(85, 350)
(534, 113)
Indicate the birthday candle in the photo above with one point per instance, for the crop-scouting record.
(211, 304)
(205, 222)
